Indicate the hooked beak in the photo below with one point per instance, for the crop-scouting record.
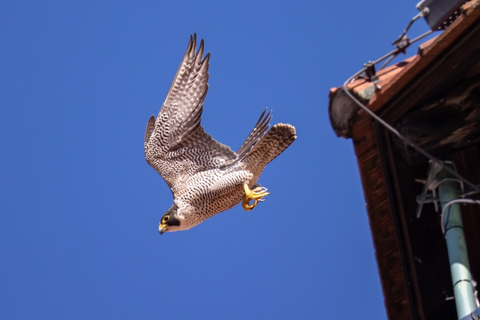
(162, 228)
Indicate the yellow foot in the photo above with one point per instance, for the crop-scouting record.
(256, 195)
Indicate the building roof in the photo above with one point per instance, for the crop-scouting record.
(432, 98)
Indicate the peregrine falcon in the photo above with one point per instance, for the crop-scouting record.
(205, 176)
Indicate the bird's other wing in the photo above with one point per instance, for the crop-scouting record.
(178, 123)
(257, 133)
(150, 127)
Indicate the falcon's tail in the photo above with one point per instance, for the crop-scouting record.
(279, 138)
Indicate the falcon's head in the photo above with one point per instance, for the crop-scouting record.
(178, 218)
(170, 220)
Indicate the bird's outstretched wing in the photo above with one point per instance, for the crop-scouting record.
(175, 142)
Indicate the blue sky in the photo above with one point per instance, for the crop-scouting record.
(80, 206)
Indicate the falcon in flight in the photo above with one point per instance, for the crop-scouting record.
(205, 176)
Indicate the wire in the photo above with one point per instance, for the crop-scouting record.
(421, 36)
(401, 137)
(393, 130)
(419, 15)
(399, 49)
(401, 44)
(448, 295)
(388, 61)
(448, 206)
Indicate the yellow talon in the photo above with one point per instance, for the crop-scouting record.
(256, 195)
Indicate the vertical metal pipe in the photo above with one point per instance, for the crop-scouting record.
(457, 248)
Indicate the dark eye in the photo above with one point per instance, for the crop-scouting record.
(165, 219)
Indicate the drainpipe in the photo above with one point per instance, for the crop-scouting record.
(456, 246)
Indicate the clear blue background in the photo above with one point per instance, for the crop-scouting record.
(80, 206)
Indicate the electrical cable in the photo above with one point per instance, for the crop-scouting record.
(393, 56)
(390, 128)
(448, 295)
(419, 15)
(448, 206)
(395, 52)
(401, 137)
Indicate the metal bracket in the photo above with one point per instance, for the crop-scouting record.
(433, 170)
(370, 71)
(429, 194)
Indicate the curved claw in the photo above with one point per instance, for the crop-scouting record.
(256, 195)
